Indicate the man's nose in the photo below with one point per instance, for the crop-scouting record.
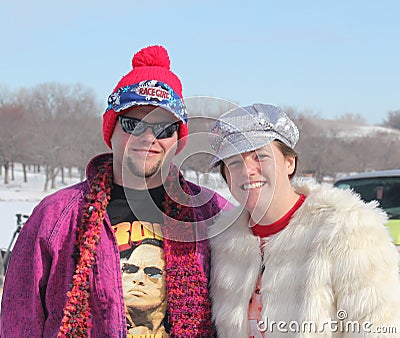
(148, 135)
(138, 277)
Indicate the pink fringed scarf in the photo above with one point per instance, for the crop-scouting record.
(187, 285)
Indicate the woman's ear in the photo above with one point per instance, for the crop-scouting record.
(291, 164)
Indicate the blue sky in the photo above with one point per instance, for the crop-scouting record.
(328, 57)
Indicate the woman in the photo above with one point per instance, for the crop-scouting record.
(320, 259)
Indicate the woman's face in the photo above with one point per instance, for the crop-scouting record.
(143, 278)
(257, 178)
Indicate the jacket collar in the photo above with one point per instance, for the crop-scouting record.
(94, 164)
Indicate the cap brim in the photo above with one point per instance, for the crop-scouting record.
(249, 141)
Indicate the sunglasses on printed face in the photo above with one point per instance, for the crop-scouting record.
(137, 127)
(150, 271)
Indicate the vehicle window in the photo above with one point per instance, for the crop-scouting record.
(385, 190)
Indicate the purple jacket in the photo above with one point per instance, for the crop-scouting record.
(42, 265)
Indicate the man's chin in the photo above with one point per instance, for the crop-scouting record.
(143, 170)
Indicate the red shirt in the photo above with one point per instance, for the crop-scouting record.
(280, 224)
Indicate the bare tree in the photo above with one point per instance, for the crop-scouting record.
(60, 113)
(86, 141)
(393, 119)
(56, 126)
(5, 95)
(198, 143)
(352, 118)
(208, 106)
(13, 121)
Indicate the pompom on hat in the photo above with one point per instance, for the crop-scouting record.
(150, 82)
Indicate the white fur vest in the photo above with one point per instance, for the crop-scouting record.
(334, 259)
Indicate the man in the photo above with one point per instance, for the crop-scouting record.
(64, 276)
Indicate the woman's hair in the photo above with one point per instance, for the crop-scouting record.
(288, 152)
(285, 150)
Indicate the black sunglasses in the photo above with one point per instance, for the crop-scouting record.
(137, 127)
(150, 271)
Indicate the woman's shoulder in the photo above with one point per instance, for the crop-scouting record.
(342, 211)
(327, 198)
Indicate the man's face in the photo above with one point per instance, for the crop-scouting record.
(143, 278)
(142, 156)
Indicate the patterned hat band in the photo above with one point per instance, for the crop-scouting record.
(149, 92)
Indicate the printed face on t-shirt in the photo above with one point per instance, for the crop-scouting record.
(143, 277)
(143, 274)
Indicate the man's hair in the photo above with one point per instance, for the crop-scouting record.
(285, 150)
(153, 241)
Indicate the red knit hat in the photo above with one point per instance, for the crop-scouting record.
(150, 82)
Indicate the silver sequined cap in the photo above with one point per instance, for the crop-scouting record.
(248, 128)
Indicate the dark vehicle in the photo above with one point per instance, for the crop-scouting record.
(382, 186)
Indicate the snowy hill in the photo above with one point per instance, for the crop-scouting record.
(350, 129)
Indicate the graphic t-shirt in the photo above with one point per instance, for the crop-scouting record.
(263, 231)
(136, 217)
